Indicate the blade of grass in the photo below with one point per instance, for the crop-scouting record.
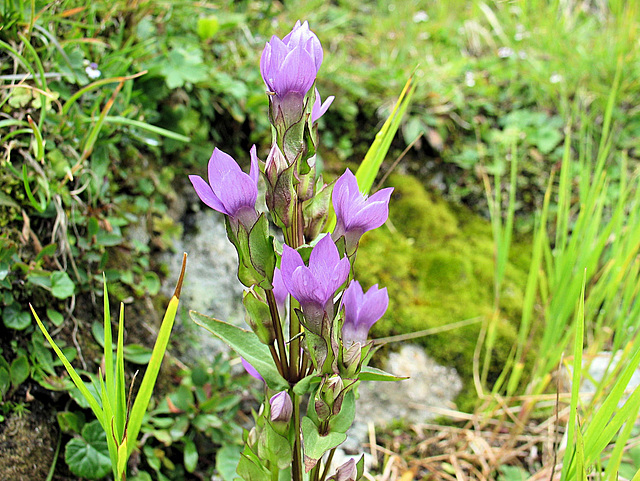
(143, 125)
(121, 388)
(370, 165)
(93, 402)
(153, 368)
(574, 440)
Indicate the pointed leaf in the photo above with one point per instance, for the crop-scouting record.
(246, 344)
(372, 374)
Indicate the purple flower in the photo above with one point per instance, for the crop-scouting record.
(279, 290)
(315, 286)
(291, 64)
(361, 311)
(320, 108)
(230, 191)
(347, 472)
(251, 370)
(281, 407)
(355, 214)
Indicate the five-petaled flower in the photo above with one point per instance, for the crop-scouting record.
(315, 286)
(356, 214)
(230, 190)
(361, 311)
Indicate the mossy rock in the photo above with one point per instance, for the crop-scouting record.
(437, 262)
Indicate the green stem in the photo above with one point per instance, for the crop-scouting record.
(275, 317)
(276, 359)
(296, 469)
(327, 465)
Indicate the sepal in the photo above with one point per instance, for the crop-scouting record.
(259, 316)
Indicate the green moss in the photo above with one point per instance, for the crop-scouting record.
(437, 263)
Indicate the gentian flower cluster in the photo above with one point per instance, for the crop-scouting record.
(309, 314)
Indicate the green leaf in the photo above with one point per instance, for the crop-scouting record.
(227, 459)
(316, 445)
(247, 345)
(208, 27)
(251, 469)
(307, 385)
(5, 381)
(190, 456)
(373, 374)
(61, 285)
(141, 476)
(19, 370)
(137, 354)
(15, 318)
(70, 421)
(344, 419)
(7, 201)
(141, 403)
(88, 456)
(274, 447)
(55, 317)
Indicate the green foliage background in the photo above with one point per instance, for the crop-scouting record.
(86, 161)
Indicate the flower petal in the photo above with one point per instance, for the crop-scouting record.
(251, 370)
(291, 260)
(323, 259)
(373, 214)
(254, 172)
(319, 108)
(352, 300)
(297, 73)
(220, 164)
(206, 194)
(374, 305)
(306, 288)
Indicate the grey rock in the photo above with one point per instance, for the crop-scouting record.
(211, 285)
(429, 385)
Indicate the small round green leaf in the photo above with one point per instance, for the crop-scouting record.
(61, 285)
(88, 456)
(19, 370)
(55, 317)
(15, 318)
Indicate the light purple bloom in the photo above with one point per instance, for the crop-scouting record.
(230, 191)
(279, 290)
(361, 311)
(320, 108)
(314, 286)
(291, 64)
(251, 370)
(347, 472)
(281, 407)
(356, 214)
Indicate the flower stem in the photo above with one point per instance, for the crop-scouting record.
(276, 359)
(327, 465)
(296, 469)
(275, 317)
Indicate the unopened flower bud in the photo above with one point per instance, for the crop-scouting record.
(281, 407)
(252, 437)
(275, 164)
(332, 389)
(352, 357)
(347, 472)
(322, 409)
